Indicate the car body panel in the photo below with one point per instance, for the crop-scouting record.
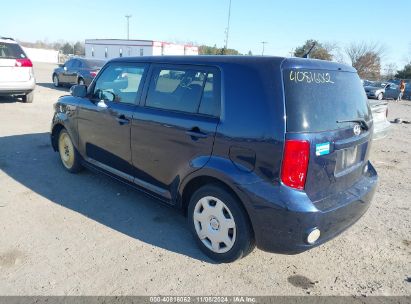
(381, 124)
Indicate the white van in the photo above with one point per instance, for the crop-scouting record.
(16, 71)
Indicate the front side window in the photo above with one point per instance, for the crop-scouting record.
(182, 90)
(75, 64)
(69, 64)
(119, 83)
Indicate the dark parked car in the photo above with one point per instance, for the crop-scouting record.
(262, 151)
(77, 71)
(382, 90)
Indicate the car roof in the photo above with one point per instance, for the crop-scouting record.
(7, 40)
(282, 62)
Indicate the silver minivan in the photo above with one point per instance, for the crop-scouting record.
(16, 71)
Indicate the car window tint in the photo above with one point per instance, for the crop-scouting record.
(178, 90)
(75, 64)
(11, 51)
(210, 102)
(69, 64)
(119, 83)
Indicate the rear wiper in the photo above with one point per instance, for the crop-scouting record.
(362, 123)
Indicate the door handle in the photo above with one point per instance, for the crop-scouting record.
(195, 133)
(122, 120)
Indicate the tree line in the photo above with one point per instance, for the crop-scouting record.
(64, 47)
(364, 57)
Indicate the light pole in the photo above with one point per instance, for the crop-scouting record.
(263, 43)
(128, 26)
(227, 30)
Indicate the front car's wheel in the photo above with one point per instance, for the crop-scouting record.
(56, 81)
(220, 224)
(69, 156)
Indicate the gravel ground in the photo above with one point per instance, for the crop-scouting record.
(64, 234)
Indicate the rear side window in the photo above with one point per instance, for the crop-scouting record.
(93, 64)
(317, 99)
(11, 51)
(184, 90)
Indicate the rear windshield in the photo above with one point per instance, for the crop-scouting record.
(95, 63)
(11, 51)
(317, 99)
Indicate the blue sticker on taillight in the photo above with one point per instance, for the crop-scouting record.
(322, 149)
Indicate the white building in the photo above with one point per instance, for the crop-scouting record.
(113, 48)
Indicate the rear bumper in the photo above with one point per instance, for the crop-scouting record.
(381, 129)
(21, 87)
(282, 218)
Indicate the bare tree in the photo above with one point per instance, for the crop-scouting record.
(366, 58)
(335, 50)
(389, 71)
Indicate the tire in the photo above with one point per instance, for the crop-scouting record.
(220, 224)
(28, 98)
(380, 96)
(81, 81)
(56, 81)
(69, 156)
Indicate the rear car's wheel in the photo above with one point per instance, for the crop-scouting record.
(28, 98)
(81, 81)
(69, 156)
(219, 224)
(56, 81)
(380, 96)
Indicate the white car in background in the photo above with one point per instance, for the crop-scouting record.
(16, 71)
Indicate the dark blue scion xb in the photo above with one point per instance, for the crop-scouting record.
(258, 151)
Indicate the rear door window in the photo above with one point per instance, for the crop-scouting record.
(11, 51)
(317, 99)
(189, 90)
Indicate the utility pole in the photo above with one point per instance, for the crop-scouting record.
(263, 43)
(128, 26)
(227, 30)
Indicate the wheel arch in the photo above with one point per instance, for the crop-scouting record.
(55, 131)
(192, 185)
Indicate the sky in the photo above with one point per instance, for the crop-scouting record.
(283, 24)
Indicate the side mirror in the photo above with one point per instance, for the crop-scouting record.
(78, 91)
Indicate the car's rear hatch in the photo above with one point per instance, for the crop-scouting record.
(326, 106)
(14, 64)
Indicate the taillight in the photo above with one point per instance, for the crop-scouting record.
(295, 163)
(26, 63)
(93, 73)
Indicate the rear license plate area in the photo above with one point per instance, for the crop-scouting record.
(347, 159)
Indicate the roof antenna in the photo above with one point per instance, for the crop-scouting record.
(306, 55)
